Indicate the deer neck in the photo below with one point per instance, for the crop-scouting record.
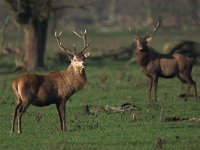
(77, 77)
(142, 57)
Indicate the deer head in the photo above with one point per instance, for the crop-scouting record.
(142, 41)
(77, 58)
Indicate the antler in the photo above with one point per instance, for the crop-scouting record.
(136, 35)
(83, 36)
(154, 29)
(57, 35)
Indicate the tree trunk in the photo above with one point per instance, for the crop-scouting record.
(112, 12)
(34, 44)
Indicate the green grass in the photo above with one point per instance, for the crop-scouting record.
(113, 83)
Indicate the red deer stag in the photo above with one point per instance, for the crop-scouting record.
(156, 65)
(52, 88)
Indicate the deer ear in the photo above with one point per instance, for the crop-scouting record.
(87, 55)
(135, 37)
(148, 39)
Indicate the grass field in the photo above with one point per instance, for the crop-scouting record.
(110, 82)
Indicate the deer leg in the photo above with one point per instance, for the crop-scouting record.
(190, 82)
(180, 77)
(19, 119)
(62, 112)
(59, 114)
(187, 91)
(15, 115)
(195, 91)
(193, 83)
(188, 86)
(155, 83)
(149, 88)
(21, 110)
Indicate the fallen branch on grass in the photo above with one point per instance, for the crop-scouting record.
(194, 119)
(178, 118)
(127, 107)
(94, 111)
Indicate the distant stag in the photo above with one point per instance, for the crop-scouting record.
(157, 65)
(52, 88)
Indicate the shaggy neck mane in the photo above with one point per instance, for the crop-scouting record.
(142, 57)
(76, 76)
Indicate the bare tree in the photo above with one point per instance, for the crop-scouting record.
(32, 16)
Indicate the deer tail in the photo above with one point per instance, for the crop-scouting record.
(16, 91)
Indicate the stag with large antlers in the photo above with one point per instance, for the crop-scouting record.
(157, 65)
(52, 88)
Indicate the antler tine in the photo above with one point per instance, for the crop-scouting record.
(83, 36)
(86, 46)
(154, 29)
(136, 35)
(77, 34)
(57, 35)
